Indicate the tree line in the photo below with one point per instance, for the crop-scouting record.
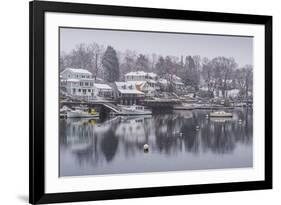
(219, 74)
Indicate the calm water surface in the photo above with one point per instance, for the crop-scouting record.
(183, 140)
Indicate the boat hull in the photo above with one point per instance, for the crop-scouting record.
(81, 115)
(134, 110)
(135, 113)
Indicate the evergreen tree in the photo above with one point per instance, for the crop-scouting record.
(110, 64)
(160, 66)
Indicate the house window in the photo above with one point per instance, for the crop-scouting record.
(79, 90)
(86, 84)
(83, 76)
(89, 90)
(81, 83)
(84, 91)
(74, 90)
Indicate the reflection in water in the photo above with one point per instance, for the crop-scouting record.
(185, 140)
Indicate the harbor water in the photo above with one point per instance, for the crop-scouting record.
(178, 141)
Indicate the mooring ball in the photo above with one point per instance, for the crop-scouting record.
(145, 147)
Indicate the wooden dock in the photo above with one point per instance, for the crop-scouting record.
(201, 108)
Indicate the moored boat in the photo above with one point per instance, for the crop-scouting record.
(63, 111)
(82, 114)
(134, 110)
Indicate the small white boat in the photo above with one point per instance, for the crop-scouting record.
(221, 114)
(63, 111)
(82, 114)
(134, 110)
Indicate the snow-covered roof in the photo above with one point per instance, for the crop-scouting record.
(102, 86)
(163, 81)
(152, 75)
(141, 73)
(87, 79)
(77, 70)
(140, 84)
(135, 82)
(71, 80)
(136, 73)
(130, 91)
(127, 87)
(78, 79)
(174, 77)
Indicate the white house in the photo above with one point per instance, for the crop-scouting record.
(177, 82)
(102, 90)
(179, 86)
(140, 76)
(136, 76)
(77, 82)
(146, 87)
(126, 93)
(145, 82)
(173, 80)
(75, 73)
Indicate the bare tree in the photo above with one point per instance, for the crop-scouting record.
(153, 61)
(197, 62)
(191, 75)
(244, 79)
(97, 51)
(208, 74)
(142, 63)
(83, 56)
(223, 69)
(130, 58)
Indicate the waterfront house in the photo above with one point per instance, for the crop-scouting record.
(163, 83)
(136, 76)
(177, 83)
(172, 81)
(102, 90)
(179, 86)
(77, 83)
(146, 88)
(144, 81)
(126, 93)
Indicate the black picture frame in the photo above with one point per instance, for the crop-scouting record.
(37, 10)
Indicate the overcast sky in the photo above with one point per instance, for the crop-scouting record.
(240, 48)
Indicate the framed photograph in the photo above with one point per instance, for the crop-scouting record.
(141, 102)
